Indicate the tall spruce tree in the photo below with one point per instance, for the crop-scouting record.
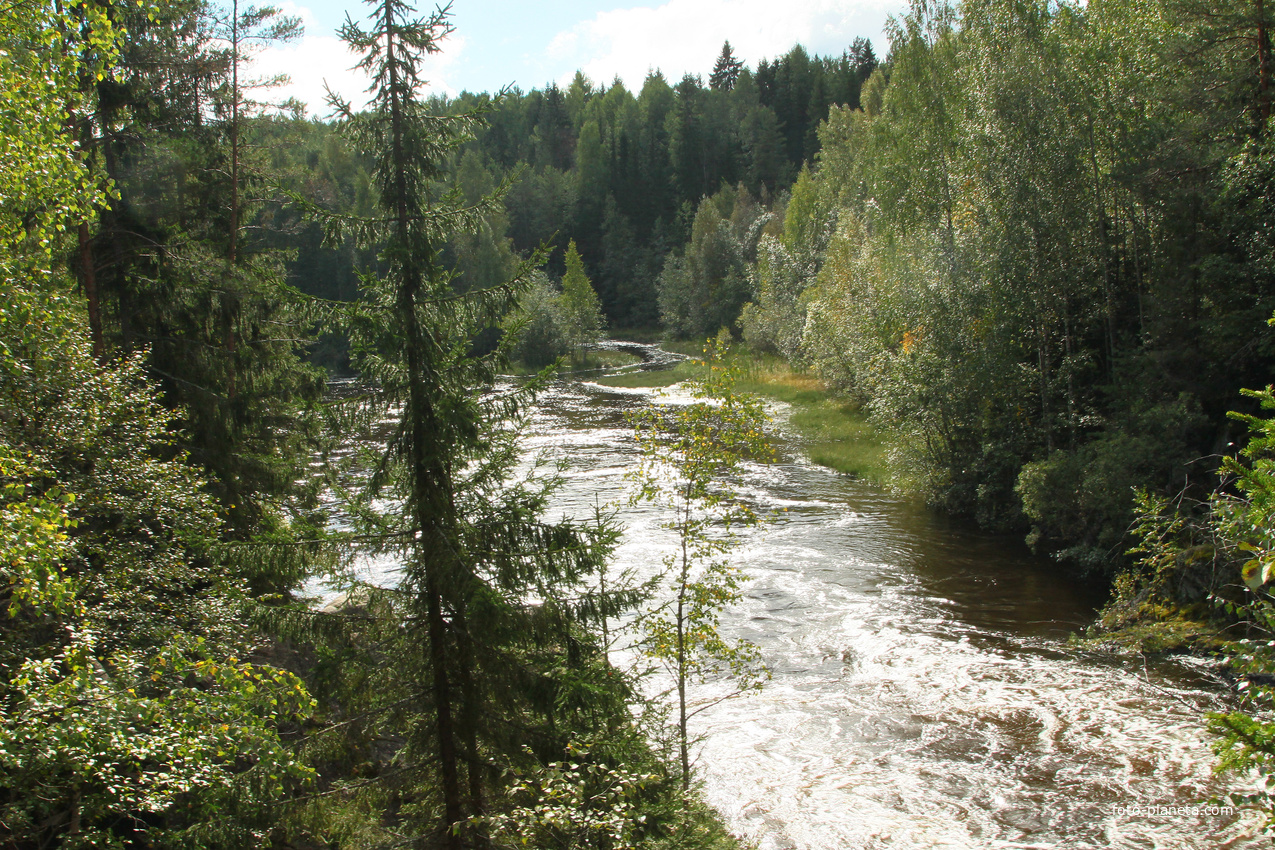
(486, 653)
(726, 71)
(179, 267)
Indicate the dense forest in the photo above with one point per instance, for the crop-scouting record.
(1033, 243)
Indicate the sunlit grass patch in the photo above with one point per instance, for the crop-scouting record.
(839, 436)
(836, 432)
(655, 378)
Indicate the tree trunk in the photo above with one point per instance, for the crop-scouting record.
(234, 131)
(88, 281)
(430, 496)
(1263, 66)
(681, 668)
(232, 253)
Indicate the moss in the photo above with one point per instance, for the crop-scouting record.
(1176, 634)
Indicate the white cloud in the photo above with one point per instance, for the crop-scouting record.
(316, 60)
(686, 35)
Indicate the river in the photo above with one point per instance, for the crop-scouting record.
(923, 693)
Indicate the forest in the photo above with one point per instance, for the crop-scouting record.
(1032, 244)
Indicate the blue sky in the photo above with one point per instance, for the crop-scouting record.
(529, 44)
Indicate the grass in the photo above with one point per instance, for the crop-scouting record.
(663, 378)
(836, 433)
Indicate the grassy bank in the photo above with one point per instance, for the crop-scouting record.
(836, 432)
(591, 361)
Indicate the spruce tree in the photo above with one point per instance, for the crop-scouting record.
(180, 268)
(480, 651)
(580, 306)
(726, 71)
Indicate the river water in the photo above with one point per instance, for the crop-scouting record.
(923, 692)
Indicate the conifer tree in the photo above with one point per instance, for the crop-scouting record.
(580, 305)
(174, 273)
(476, 671)
(726, 71)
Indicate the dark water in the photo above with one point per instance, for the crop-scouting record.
(923, 693)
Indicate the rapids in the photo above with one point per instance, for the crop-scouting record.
(923, 693)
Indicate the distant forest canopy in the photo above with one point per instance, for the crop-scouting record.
(1033, 242)
(620, 173)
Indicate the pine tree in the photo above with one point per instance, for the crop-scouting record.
(476, 670)
(726, 71)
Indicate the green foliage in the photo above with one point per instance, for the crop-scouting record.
(689, 453)
(775, 319)
(572, 806)
(1082, 499)
(1232, 541)
(484, 645)
(580, 306)
(539, 325)
(182, 268)
(1000, 271)
(129, 713)
(550, 324)
(127, 708)
(706, 289)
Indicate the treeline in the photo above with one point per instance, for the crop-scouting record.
(1031, 241)
(620, 173)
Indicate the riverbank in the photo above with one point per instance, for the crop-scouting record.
(836, 433)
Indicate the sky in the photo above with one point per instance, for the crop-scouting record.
(527, 44)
